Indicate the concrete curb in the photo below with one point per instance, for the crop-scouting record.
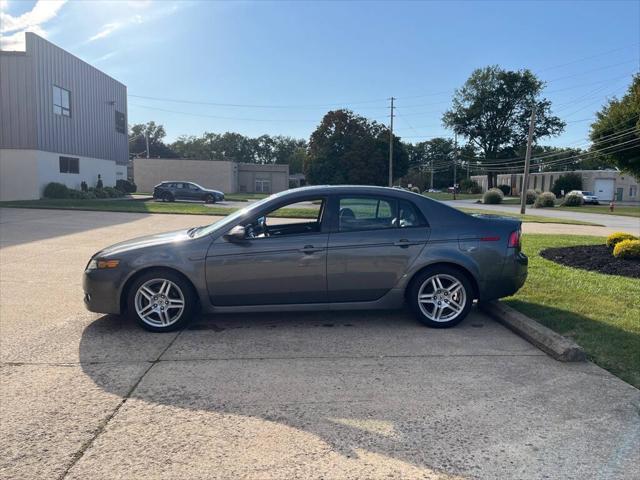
(545, 339)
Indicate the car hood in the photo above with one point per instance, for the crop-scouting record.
(145, 242)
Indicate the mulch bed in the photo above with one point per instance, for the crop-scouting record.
(597, 258)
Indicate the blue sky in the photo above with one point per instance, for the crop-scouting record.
(308, 57)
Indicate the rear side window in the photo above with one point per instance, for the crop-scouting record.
(409, 215)
(365, 213)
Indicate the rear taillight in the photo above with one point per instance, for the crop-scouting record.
(514, 239)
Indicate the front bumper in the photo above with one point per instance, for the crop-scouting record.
(101, 291)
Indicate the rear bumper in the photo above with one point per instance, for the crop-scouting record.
(514, 274)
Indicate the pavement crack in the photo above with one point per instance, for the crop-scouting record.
(103, 424)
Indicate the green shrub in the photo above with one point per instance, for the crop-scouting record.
(629, 249)
(84, 187)
(126, 186)
(505, 189)
(493, 196)
(99, 184)
(98, 193)
(55, 190)
(531, 196)
(469, 186)
(545, 200)
(573, 200)
(77, 194)
(567, 182)
(90, 195)
(617, 237)
(113, 192)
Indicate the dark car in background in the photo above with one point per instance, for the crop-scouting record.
(171, 191)
(359, 248)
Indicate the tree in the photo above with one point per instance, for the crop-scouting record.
(566, 183)
(616, 131)
(348, 148)
(156, 134)
(493, 108)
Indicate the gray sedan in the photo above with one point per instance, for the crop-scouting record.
(359, 248)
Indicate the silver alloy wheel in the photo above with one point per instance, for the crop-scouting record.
(159, 302)
(442, 298)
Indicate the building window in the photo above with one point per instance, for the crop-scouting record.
(121, 125)
(61, 101)
(69, 165)
(633, 190)
(263, 186)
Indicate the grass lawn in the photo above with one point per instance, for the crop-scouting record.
(600, 312)
(147, 206)
(449, 196)
(626, 211)
(530, 218)
(243, 197)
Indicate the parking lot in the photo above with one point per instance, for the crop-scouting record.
(295, 395)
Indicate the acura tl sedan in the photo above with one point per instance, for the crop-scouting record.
(360, 248)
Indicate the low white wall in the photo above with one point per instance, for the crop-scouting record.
(90, 168)
(25, 173)
(18, 175)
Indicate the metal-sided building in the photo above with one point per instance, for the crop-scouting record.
(607, 185)
(223, 175)
(61, 120)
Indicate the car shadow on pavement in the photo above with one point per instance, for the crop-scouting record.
(378, 382)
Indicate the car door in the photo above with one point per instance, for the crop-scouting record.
(288, 267)
(373, 242)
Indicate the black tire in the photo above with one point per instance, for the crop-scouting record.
(167, 197)
(189, 297)
(209, 199)
(444, 273)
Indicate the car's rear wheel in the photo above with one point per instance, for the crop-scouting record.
(441, 296)
(167, 197)
(161, 301)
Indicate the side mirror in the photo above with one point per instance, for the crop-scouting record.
(236, 234)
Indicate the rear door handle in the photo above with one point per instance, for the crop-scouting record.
(309, 249)
(404, 243)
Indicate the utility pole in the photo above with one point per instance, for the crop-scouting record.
(455, 162)
(391, 146)
(527, 158)
(146, 139)
(431, 184)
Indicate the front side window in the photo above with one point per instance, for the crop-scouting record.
(69, 165)
(270, 224)
(365, 213)
(61, 101)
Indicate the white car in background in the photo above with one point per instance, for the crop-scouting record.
(588, 197)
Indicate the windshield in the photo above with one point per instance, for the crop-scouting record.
(230, 219)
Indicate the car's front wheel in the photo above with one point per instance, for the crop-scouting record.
(210, 199)
(161, 301)
(441, 296)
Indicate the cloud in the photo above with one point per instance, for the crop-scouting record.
(107, 30)
(32, 21)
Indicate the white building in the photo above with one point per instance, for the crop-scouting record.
(61, 120)
(607, 185)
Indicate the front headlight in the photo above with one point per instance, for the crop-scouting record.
(102, 264)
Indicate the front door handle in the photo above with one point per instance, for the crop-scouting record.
(309, 249)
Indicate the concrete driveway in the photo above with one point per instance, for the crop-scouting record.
(349, 395)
